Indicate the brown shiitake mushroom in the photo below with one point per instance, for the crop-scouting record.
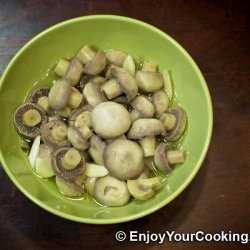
(111, 192)
(68, 163)
(76, 138)
(116, 57)
(165, 156)
(54, 133)
(96, 149)
(28, 119)
(110, 120)
(160, 101)
(59, 93)
(146, 127)
(126, 82)
(96, 65)
(61, 67)
(149, 81)
(180, 123)
(142, 108)
(124, 159)
(74, 71)
(92, 94)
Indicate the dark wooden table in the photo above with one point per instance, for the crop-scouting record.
(217, 35)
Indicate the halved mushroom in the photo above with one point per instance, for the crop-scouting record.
(69, 188)
(59, 93)
(111, 192)
(86, 54)
(61, 67)
(165, 156)
(149, 81)
(74, 71)
(124, 159)
(142, 108)
(96, 65)
(110, 120)
(76, 138)
(126, 82)
(68, 163)
(116, 57)
(54, 133)
(179, 126)
(81, 117)
(28, 119)
(146, 127)
(93, 95)
(161, 102)
(96, 149)
(75, 98)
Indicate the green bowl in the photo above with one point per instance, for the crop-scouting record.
(31, 67)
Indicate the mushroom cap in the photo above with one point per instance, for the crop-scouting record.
(124, 159)
(96, 149)
(30, 132)
(143, 106)
(116, 57)
(149, 81)
(161, 102)
(111, 192)
(76, 138)
(180, 125)
(37, 94)
(96, 65)
(160, 158)
(110, 120)
(146, 127)
(126, 82)
(74, 71)
(48, 138)
(56, 162)
(83, 113)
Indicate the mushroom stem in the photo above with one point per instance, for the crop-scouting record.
(135, 115)
(71, 159)
(86, 54)
(43, 102)
(85, 132)
(147, 66)
(59, 132)
(75, 98)
(31, 117)
(65, 112)
(61, 67)
(148, 146)
(111, 89)
(175, 156)
(168, 121)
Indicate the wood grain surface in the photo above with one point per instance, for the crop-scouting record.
(217, 35)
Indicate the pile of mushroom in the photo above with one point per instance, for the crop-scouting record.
(98, 125)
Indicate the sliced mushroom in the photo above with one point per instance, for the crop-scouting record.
(59, 93)
(74, 71)
(37, 94)
(180, 125)
(116, 57)
(126, 82)
(142, 108)
(76, 138)
(124, 159)
(110, 120)
(86, 54)
(28, 119)
(165, 156)
(68, 165)
(149, 81)
(146, 127)
(111, 192)
(96, 149)
(161, 102)
(62, 67)
(54, 133)
(93, 95)
(96, 65)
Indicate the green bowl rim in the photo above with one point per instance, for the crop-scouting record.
(163, 202)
